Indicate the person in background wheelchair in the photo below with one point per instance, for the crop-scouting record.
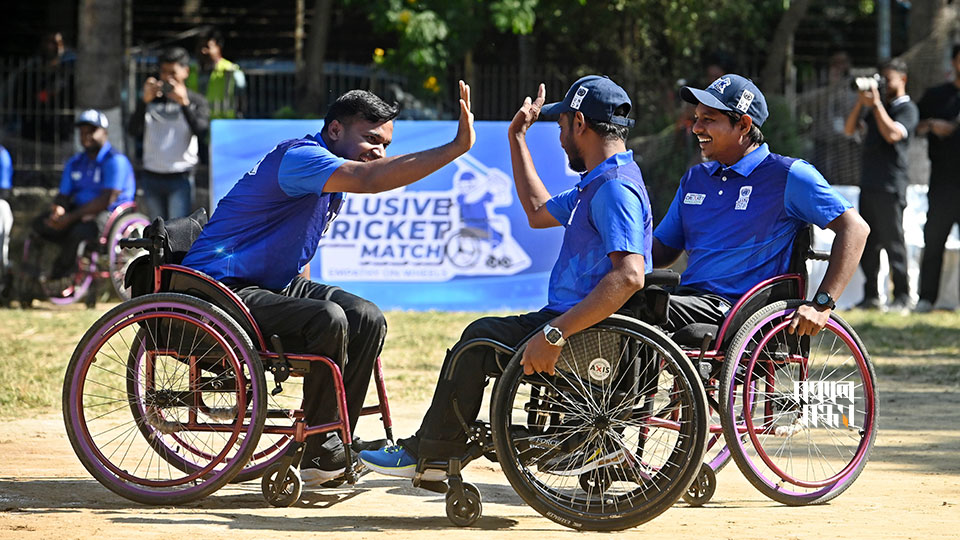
(265, 231)
(94, 182)
(6, 225)
(606, 247)
(737, 214)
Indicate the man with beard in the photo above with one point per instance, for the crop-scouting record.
(885, 122)
(605, 251)
(94, 182)
(265, 231)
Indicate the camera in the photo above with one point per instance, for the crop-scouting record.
(166, 87)
(870, 82)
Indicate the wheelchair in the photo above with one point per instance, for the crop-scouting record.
(166, 397)
(624, 397)
(798, 415)
(96, 261)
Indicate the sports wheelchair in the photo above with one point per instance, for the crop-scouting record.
(166, 400)
(798, 415)
(610, 441)
(103, 259)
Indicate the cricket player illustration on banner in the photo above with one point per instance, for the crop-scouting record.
(408, 235)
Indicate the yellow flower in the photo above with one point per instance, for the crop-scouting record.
(431, 84)
(405, 16)
(378, 52)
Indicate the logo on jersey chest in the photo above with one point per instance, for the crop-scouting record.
(694, 198)
(744, 199)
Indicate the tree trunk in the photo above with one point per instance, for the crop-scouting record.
(772, 76)
(311, 83)
(931, 26)
(100, 57)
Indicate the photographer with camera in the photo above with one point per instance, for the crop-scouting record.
(171, 119)
(883, 119)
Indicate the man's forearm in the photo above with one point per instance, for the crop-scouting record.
(530, 189)
(393, 172)
(610, 294)
(853, 120)
(888, 127)
(844, 254)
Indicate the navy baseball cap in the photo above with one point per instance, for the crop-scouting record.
(731, 93)
(597, 97)
(92, 117)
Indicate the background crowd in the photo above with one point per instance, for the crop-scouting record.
(171, 78)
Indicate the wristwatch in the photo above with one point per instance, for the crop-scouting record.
(823, 299)
(553, 335)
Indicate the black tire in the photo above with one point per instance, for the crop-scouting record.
(643, 409)
(102, 415)
(790, 468)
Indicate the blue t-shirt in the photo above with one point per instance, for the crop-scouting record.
(607, 211)
(737, 224)
(266, 229)
(84, 179)
(6, 169)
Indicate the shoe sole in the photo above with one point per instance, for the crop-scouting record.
(316, 477)
(430, 475)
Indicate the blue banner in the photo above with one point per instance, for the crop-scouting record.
(456, 240)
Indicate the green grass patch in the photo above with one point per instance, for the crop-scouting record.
(36, 345)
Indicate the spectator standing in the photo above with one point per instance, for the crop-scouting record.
(884, 117)
(6, 224)
(171, 119)
(939, 118)
(221, 81)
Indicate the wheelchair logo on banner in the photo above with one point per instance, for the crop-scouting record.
(426, 235)
(825, 403)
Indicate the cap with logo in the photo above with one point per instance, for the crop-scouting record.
(92, 117)
(731, 93)
(597, 97)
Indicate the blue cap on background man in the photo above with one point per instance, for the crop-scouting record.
(597, 97)
(731, 93)
(92, 117)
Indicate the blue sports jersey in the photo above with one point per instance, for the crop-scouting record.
(84, 179)
(737, 224)
(608, 211)
(266, 229)
(6, 169)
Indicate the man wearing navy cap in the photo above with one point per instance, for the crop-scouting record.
(737, 214)
(94, 182)
(605, 251)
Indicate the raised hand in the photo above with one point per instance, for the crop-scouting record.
(466, 135)
(529, 112)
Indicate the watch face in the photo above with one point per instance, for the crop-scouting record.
(554, 335)
(822, 299)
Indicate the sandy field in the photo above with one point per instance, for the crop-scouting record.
(910, 489)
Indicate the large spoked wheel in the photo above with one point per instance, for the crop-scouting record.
(174, 421)
(129, 225)
(799, 413)
(613, 439)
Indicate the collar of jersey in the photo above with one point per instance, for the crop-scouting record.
(103, 151)
(617, 160)
(746, 165)
(318, 139)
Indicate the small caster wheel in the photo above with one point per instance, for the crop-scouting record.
(702, 488)
(464, 509)
(281, 492)
(596, 481)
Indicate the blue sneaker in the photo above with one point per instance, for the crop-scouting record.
(396, 461)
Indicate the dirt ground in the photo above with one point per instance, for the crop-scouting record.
(910, 489)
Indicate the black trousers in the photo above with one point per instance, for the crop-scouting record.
(441, 435)
(314, 318)
(883, 212)
(69, 240)
(942, 212)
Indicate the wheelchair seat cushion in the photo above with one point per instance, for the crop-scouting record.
(692, 335)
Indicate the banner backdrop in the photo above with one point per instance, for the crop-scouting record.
(456, 240)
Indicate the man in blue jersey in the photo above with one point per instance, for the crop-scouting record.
(737, 214)
(94, 182)
(605, 251)
(264, 232)
(6, 224)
